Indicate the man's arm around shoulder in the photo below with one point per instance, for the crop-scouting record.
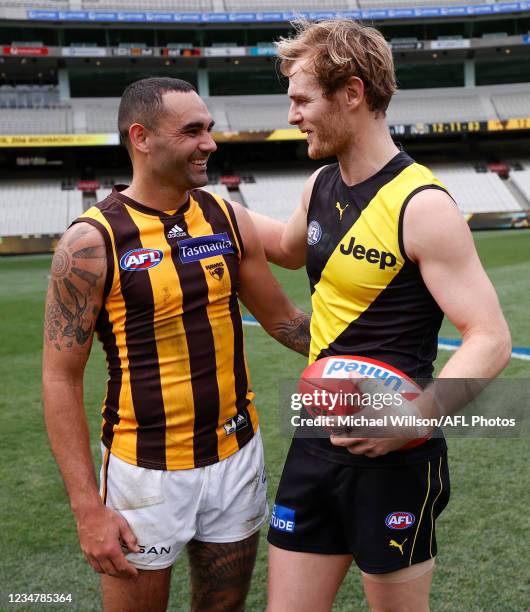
(73, 302)
(263, 296)
(285, 243)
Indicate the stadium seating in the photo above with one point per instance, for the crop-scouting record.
(476, 192)
(291, 5)
(269, 112)
(521, 179)
(29, 96)
(275, 193)
(512, 104)
(58, 5)
(29, 207)
(31, 121)
(433, 105)
(238, 5)
(155, 5)
(95, 115)
(367, 4)
(247, 113)
(220, 190)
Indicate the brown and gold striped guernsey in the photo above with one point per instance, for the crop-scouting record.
(178, 393)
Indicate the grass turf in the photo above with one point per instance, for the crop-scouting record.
(483, 558)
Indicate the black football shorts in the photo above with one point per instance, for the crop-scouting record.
(382, 514)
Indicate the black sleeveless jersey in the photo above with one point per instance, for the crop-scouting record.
(368, 297)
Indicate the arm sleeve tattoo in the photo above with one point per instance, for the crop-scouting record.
(295, 333)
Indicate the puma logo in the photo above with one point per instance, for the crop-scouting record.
(340, 209)
(394, 544)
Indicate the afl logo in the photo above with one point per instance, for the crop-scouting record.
(314, 233)
(400, 520)
(141, 259)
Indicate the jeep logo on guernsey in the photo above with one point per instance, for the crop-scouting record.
(194, 249)
(400, 520)
(141, 259)
(373, 256)
(282, 518)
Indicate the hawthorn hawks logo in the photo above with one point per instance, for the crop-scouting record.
(216, 270)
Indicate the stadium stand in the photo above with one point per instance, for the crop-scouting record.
(432, 105)
(29, 96)
(58, 5)
(251, 112)
(367, 4)
(275, 193)
(269, 112)
(37, 207)
(30, 121)
(521, 179)
(476, 192)
(157, 5)
(41, 207)
(292, 5)
(220, 190)
(230, 5)
(95, 115)
(516, 104)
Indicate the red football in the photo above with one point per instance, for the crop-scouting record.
(332, 382)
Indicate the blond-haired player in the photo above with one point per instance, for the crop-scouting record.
(387, 255)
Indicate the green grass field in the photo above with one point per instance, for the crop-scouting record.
(483, 556)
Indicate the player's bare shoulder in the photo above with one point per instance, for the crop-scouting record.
(433, 223)
(247, 229)
(75, 291)
(308, 188)
(240, 212)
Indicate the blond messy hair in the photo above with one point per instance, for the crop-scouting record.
(337, 49)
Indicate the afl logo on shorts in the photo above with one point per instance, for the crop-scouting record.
(314, 233)
(140, 259)
(400, 520)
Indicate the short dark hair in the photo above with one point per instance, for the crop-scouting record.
(142, 102)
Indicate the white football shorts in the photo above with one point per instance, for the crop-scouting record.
(222, 502)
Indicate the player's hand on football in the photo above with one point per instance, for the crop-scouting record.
(101, 531)
(382, 435)
(371, 447)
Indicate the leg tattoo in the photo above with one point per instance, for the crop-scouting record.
(221, 573)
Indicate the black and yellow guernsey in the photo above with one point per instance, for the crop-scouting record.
(368, 297)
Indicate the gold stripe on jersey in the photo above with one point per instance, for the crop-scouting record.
(348, 286)
(171, 344)
(224, 208)
(223, 335)
(114, 303)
